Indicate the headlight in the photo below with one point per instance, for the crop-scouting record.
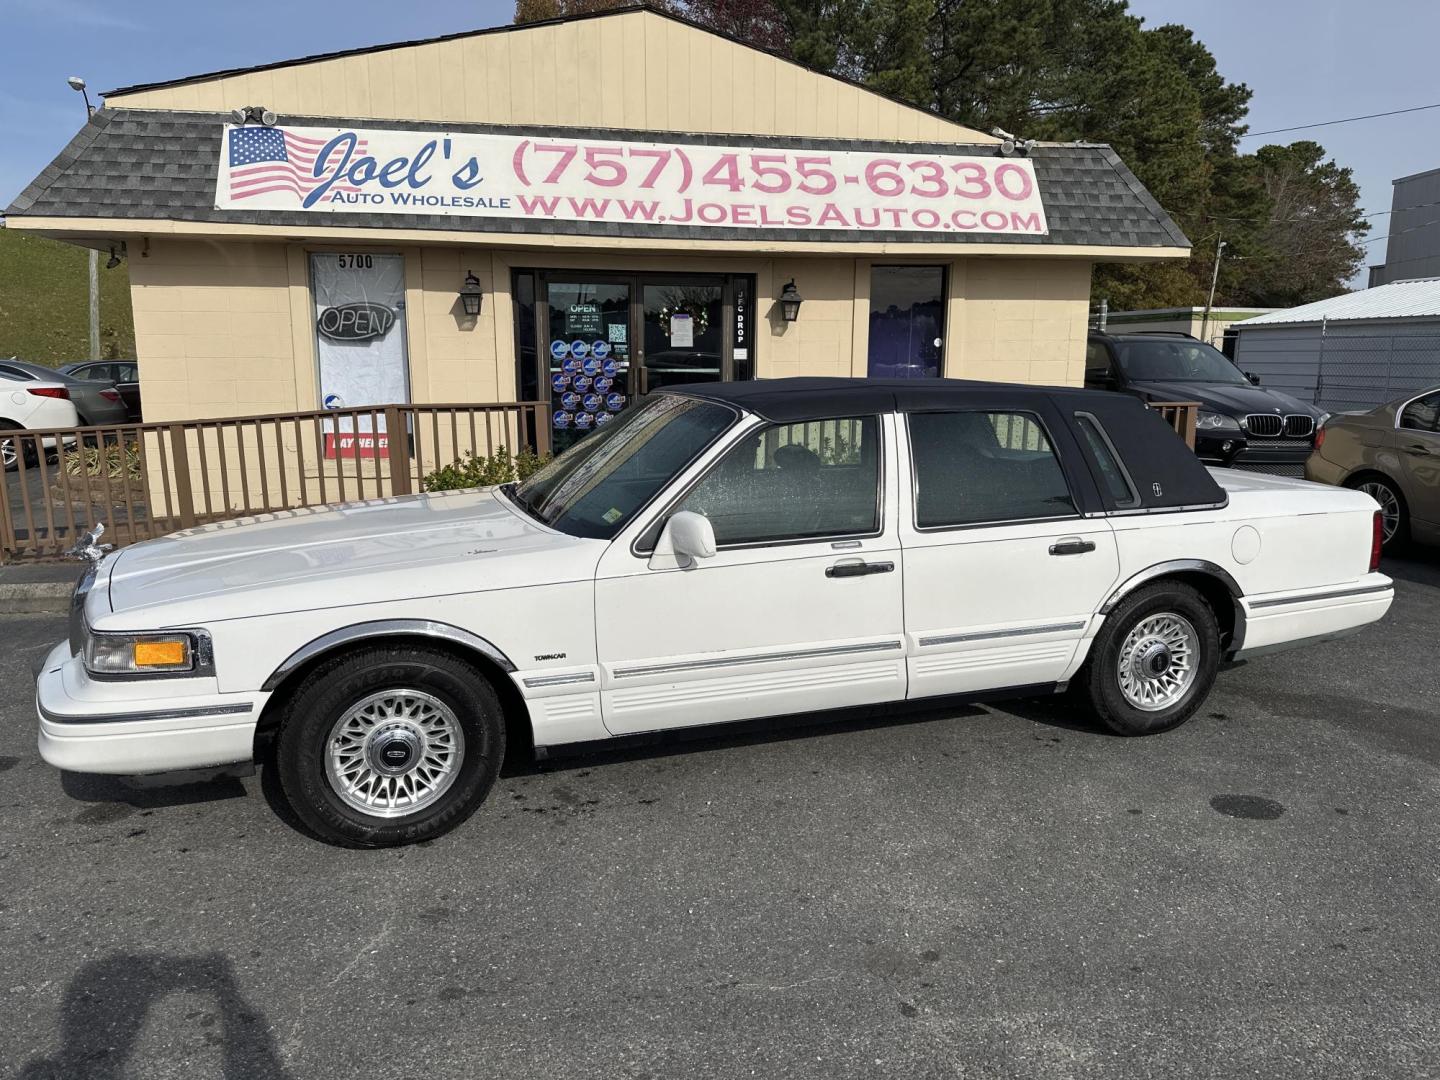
(1320, 420)
(1205, 419)
(177, 652)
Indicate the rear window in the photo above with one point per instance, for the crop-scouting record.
(1113, 476)
(974, 467)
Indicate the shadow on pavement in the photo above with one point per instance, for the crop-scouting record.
(106, 1004)
(703, 739)
(1065, 711)
(1418, 565)
(148, 795)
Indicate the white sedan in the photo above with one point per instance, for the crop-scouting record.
(30, 402)
(719, 553)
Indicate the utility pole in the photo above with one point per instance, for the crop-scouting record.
(78, 84)
(1210, 302)
(94, 304)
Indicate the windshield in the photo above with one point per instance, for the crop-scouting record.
(597, 485)
(1176, 361)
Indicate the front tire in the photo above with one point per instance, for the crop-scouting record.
(389, 746)
(1154, 661)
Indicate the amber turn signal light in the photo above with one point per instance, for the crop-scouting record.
(160, 653)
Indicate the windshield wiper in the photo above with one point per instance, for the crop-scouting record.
(512, 492)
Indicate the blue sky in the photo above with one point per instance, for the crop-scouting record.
(1307, 60)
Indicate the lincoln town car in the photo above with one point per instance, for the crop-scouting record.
(719, 553)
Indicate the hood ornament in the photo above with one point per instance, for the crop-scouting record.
(88, 547)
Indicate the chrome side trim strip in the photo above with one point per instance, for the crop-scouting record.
(951, 639)
(1334, 594)
(153, 714)
(559, 680)
(387, 628)
(763, 658)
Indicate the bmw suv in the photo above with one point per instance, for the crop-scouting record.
(1240, 424)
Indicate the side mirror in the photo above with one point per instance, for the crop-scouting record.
(687, 536)
(1254, 379)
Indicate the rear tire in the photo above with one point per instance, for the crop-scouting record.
(389, 746)
(1155, 660)
(1394, 513)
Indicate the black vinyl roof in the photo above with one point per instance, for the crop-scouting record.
(793, 400)
(1162, 471)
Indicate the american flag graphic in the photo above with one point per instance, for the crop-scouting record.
(266, 159)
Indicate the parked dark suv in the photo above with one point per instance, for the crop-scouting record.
(1241, 425)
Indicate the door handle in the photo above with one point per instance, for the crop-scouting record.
(1072, 545)
(1418, 449)
(858, 569)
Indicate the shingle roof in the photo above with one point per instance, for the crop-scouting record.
(1418, 297)
(143, 164)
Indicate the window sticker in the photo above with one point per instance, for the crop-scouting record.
(682, 331)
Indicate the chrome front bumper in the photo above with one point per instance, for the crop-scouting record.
(124, 728)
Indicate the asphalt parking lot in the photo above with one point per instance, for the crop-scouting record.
(977, 892)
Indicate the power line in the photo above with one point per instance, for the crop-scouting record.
(1346, 120)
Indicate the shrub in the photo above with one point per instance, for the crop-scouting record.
(113, 460)
(484, 470)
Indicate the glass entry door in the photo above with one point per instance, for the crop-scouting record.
(588, 348)
(907, 321)
(684, 333)
(595, 342)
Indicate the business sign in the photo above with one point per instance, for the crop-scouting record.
(385, 171)
(356, 322)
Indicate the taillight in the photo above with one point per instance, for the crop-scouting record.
(50, 391)
(1377, 541)
(1319, 438)
(110, 395)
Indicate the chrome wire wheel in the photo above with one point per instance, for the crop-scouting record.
(394, 753)
(1157, 661)
(1389, 502)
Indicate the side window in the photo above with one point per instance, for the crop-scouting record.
(977, 467)
(127, 373)
(1097, 361)
(1422, 414)
(1112, 473)
(794, 482)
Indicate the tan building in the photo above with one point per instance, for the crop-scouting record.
(632, 195)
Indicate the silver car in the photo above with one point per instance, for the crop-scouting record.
(1391, 453)
(98, 401)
